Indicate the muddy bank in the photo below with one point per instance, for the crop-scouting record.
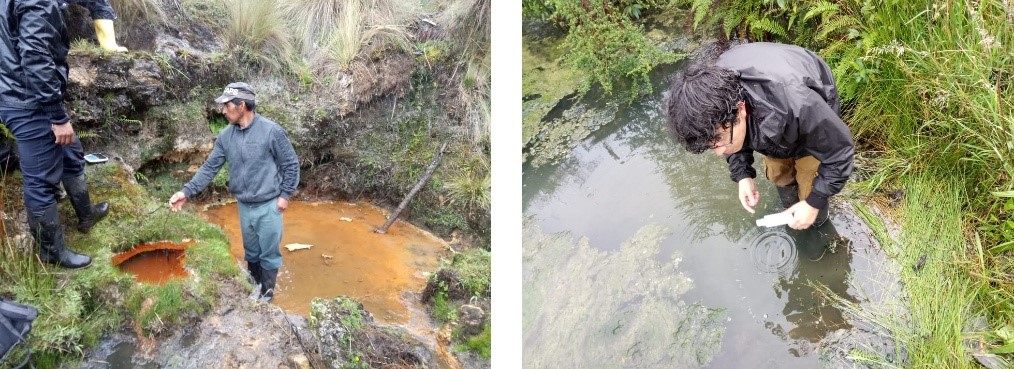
(237, 333)
(240, 332)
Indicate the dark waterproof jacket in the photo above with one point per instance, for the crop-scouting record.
(98, 9)
(793, 111)
(33, 57)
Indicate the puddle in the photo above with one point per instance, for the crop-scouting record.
(155, 262)
(346, 258)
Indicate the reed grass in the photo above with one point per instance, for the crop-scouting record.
(258, 29)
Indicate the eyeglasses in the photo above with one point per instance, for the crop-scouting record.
(715, 145)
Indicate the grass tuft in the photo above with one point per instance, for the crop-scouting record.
(257, 29)
(140, 11)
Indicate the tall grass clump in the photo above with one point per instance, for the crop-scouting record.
(468, 21)
(468, 25)
(140, 11)
(257, 29)
(470, 186)
(332, 33)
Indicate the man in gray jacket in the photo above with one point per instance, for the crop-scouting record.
(263, 174)
(778, 100)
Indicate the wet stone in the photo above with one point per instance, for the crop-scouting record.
(472, 319)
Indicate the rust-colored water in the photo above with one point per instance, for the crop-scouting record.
(154, 262)
(347, 257)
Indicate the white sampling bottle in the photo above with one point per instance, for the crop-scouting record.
(774, 220)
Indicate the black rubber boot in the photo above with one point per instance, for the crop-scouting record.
(268, 277)
(812, 245)
(255, 273)
(45, 227)
(87, 214)
(822, 217)
(789, 195)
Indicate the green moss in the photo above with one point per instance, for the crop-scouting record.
(479, 344)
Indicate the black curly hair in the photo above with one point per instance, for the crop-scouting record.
(700, 100)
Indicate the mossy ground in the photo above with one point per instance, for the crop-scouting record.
(78, 306)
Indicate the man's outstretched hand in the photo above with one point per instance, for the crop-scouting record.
(176, 202)
(748, 195)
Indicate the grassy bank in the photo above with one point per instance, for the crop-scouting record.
(936, 328)
(77, 306)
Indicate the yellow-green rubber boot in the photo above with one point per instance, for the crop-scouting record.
(107, 35)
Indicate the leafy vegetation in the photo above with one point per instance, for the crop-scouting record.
(604, 42)
(473, 267)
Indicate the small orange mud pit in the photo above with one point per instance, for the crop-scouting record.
(345, 257)
(155, 262)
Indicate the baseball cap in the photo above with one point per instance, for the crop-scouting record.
(237, 90)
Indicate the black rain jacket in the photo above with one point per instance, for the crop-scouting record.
(33, 57)
(793, 111)
(97, 9)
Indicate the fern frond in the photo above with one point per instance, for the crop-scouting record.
(836, 25)
(822, 8)
(766, 25)
(729, 24)
(832, 50)
(700, 9)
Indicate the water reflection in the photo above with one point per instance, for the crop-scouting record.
(823, 260)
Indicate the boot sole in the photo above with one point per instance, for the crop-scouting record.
(67, 267)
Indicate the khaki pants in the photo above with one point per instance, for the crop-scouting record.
(788, 172)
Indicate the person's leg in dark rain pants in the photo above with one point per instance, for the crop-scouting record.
(42, 164)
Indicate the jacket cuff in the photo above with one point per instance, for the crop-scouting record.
(285, 196)
(817, 201)
(736, 177)
(59, 116)
(186, 192)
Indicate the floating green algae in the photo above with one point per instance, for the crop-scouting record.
(559, 136)
(586, 308)
(544, 82)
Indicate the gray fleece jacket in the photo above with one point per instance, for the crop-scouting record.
(262, 163)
